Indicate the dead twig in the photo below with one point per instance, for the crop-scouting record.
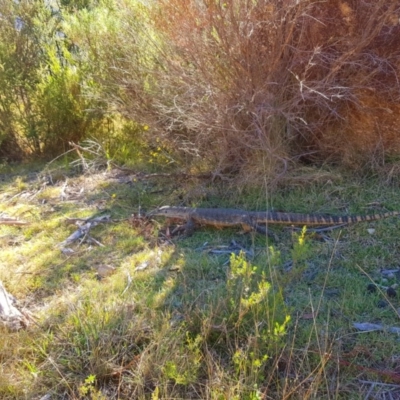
(6, 220)
(84, 231)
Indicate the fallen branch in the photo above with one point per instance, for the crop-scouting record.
(369, 327)
(5, 220)
(10, 316)
(84, 229)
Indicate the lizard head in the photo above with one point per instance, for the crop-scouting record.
(167, 211)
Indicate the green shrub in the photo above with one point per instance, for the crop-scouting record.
(45, 100)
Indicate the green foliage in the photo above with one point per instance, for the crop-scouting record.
(254, 318)
(61, 102)
(88, 385)
(125, 143)
(301, 247)
(20, 57)
(46, 95)
(109, 41)
(187, 372)
(71, 5)
(251, 296)
(87, 389)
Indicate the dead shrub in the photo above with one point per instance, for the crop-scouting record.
(236, 85)
(354, 79)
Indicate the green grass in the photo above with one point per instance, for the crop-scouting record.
(174, 322)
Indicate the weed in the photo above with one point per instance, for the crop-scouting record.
(187, 372)
(87, 389)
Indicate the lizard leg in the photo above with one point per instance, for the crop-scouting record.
(265, 231)
(252, 226)
(187, 229)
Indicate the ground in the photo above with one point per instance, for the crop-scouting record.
(136, 313)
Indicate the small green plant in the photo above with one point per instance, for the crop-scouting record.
(300, 252)
(259, 319)
(301, 247)
(251, 296)
(186, 373)
(88, 385)
(87, 389)
(156, 394)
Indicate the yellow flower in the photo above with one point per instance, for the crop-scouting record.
(145, 127)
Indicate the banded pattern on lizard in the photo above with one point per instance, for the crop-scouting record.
(251, 220)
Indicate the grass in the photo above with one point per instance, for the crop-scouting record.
(174, 322)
